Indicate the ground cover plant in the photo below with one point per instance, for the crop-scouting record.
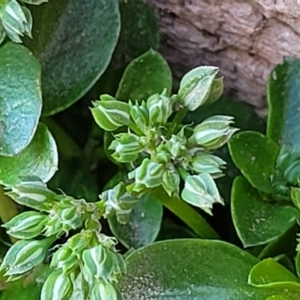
(118, 183)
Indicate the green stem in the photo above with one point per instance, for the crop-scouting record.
(187, 214)
(180, 115)
(135, 129)
(65, 143)
(8, 209)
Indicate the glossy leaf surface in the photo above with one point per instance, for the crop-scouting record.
(74, 46)
(144, 76)
(20, 98)
(39, 158)
(143, 226)
(202, 272)
(256, 220)
(255, 155)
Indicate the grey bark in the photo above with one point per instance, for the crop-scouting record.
(245, 38)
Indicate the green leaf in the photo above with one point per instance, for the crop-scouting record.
(193, 269)
(143, 226)
(139, 31)
(39, 158)
(255, 155)
(75, 46)
(258, 221)
(268, 272)
(28, 288)
(20, 98)
(146, 75)
(283, 102)
(298, 264)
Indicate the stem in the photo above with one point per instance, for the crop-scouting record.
(187, 214)
(180, 115)
(135, 129)
(65, 143)
(8, 209)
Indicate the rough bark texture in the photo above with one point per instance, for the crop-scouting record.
(245, 38)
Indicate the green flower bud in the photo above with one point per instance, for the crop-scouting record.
(25, 255)
(213, 132)
(102, 263)
(199, 87)
(26, 225)
(147, 175)
(171, 181)
(201, 191)
(119, 202)
(110, 114)
(160, 108)
(16, 20)
(104, 291)
(140, 115)
(207, 163)
(57, 286)
(64, 259)
(127, 147)
(176, 146)
(34, 194)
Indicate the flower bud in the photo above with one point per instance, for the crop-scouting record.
(160, 108)
(213, 132)
(147, 175)
(102, 263)
(16, 20)
(64, 259)
(24, 255)
(127, 147)
(57, 286)
(26, 225)
(110, 114)
(199, 87)
(104, 291)
(201, 191)
(171, 181)
(207, 163)
(176, 146)
(119, 202)
(33, 194)
(140, 115)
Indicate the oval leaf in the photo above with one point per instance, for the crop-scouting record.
(143, 226)
(269, 271)
(255, 155)
(74, 47)
(258, 221)
(20, 98)
(283, 102)
(146, 75)
(38, 159)
(192, 269)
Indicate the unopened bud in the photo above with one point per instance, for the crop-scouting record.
(57, 286)
(140, 115)
(207, 163)
(201, 191)
(199, 87)
(213, 132)
(110, 114)
(127, 147)
(160, 108)
(26, 225)
(104, 291)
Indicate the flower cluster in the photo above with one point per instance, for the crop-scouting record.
(16, 19)
(160, 150)
(86, 267)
